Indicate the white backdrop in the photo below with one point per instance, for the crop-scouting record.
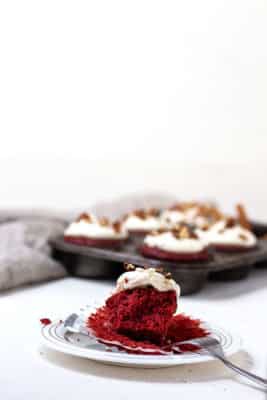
(145, 81)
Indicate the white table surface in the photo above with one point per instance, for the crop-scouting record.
(31, 371)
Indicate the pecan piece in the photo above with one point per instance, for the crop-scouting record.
(85, 217)
(242, 217)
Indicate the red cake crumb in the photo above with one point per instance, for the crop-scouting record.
(45, 321)
(155, 252)
(142, 313)
(105, 243)
(104, 332)
(127, 323)
(183, 328)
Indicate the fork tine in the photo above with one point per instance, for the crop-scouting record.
(202, 342)
(70, 320)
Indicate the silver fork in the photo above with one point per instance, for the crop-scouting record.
(75, 324)
(213, 347)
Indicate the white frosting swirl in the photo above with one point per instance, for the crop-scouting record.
(170, 218)
(94, 229)
(168, 242)
(141, 277)
(221, 235)
(134, 223)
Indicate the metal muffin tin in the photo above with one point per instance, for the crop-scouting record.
(91, 262)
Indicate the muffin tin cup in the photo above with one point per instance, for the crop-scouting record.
(99, 263)
(188, 282)
(231, 274)
(87, 267)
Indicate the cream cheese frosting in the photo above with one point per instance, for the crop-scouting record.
(135, 223)
(168, 242)
(220, 234)
(141, 277)
(171, 218)
(94, 229)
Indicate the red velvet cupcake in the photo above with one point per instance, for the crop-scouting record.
(140, 222)
(180, 244)
(88, 230)
(193, 213)
(230, 235)
(141, 314)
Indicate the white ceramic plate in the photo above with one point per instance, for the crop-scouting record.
(82, 346)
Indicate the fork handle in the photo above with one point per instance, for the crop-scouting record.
(241, 371)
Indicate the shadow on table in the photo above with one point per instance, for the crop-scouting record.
(200, 372)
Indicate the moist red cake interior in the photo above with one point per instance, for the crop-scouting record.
(142, 320)
(142, 313)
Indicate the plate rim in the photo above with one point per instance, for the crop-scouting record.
(137, 360)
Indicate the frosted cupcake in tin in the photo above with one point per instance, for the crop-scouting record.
(141, 221)
(179, 244)
(230, 234)
(191, 213)
(88, 230)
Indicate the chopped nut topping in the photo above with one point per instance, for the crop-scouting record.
(117, 226)
(184, 233)
(103, 221)
(160, 270)
(242, 236)
(183, 206)
(140, 214)
(85, 217)
(168, 275)
(230, 222)
(176, 207)
(129, 267)
(159, 231)
(242, 217)
(143, 213)
(212, 214)
(206, 227)
(208, 211)
(154, 212)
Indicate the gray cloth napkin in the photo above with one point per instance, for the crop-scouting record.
(25, 254)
